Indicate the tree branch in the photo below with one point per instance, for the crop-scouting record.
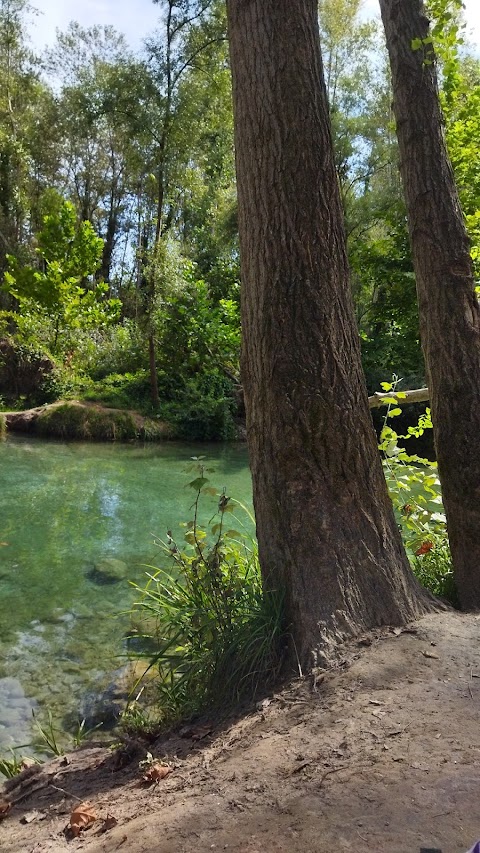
(419, 395)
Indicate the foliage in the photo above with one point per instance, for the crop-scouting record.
(218, 636)
(10, 767)
(416, 495)
(204, 409)
(121, 391)
(61, 288)
(114, 349)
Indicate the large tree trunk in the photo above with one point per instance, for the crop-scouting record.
(325, 525)
(449, 311)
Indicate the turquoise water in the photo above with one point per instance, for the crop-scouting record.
(65, 507)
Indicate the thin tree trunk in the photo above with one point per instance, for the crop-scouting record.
(153, 371)
(448, 307)
(325, 524)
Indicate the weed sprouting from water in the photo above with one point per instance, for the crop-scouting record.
(219, 637)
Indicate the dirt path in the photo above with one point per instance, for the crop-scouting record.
(381, 756)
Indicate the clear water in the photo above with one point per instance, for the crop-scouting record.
(63, 508)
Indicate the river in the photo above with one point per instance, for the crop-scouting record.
(65, 507)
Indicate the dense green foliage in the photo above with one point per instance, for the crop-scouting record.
(119, 251)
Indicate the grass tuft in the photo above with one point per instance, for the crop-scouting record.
(218, 636)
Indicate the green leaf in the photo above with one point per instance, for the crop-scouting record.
(387, 386)
(198, 483)
(393, 413)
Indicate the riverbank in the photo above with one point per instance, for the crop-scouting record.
(379, 754)
(73, 419)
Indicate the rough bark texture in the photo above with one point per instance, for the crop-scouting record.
(449, 311)
(325, 525)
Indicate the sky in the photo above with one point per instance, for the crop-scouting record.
(137, 19)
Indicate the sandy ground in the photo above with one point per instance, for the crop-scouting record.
(380, 755)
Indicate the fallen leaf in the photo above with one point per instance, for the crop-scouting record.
(156, 772)
(430, 655)
(4, 544)
(394, 732)
(397, 631)
(375, 702)
(5, 807)
(82, 817)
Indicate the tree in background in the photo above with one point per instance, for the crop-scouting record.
(325, 525)
(27, 129)
(60, 293)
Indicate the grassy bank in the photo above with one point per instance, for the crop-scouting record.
(76, 420)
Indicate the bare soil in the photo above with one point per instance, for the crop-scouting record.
(380, 755)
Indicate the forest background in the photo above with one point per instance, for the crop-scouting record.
(118, 220)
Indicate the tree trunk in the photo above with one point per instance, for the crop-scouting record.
(448, 307)
(325, 525)
(152, 360)
(109, 243)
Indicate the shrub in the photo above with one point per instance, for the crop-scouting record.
(118, 349)
(121, 391)
(218, 636)
(415, 490)
(204, 409)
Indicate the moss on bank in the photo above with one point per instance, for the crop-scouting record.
(3, 426)
(75, 420)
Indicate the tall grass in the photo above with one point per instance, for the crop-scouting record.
(218, 636)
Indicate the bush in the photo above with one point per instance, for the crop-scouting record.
(121, 391)
(116, 349)
(218, 636)
(203, 410)
(415, 490)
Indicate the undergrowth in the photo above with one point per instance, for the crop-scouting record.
(415, 491)
(219, 638)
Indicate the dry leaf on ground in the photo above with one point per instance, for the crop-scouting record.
(83, 816)
(156, 772)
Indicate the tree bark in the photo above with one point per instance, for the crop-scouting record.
(448, 307)
(325, 525)
(152, 361)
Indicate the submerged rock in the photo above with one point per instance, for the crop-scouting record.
(109, 570)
